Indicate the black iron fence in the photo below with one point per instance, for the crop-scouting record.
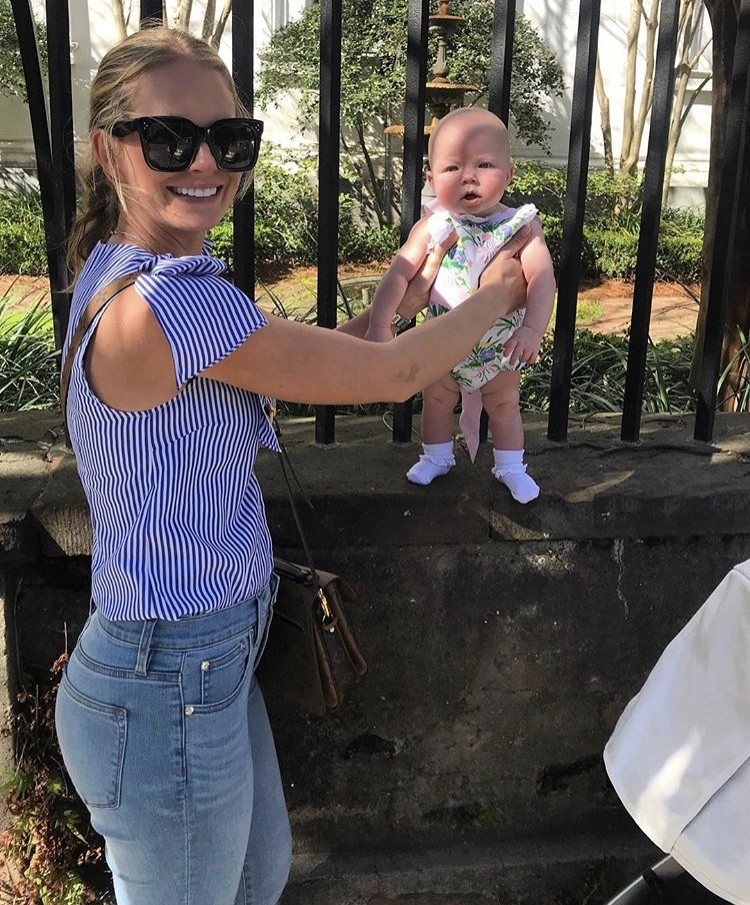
(53, 142)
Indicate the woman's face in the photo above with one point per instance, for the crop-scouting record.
(176, 209)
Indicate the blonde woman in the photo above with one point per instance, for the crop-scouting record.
(161, 723)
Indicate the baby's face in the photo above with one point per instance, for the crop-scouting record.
(470, 165)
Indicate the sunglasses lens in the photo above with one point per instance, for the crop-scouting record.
(234, 144)
(170, 143)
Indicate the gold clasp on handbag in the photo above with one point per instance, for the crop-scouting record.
(328, 620)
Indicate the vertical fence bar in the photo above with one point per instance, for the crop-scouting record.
(724, 243)
(61, 108)
(414, 146)
(53, 215)
(575, 206)
(501, 58)
(498, 100)
(653, 183)
(243, 218)
(328, 205)
(62, 148)
(151, 11)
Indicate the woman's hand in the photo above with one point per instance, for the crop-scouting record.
(418, 291)
(504, 272)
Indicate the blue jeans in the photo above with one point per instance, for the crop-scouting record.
(164, 732)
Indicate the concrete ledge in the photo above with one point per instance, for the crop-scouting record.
(593, 486)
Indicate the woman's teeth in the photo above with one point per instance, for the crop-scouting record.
(196, 193)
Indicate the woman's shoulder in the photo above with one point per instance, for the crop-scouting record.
(108, 262)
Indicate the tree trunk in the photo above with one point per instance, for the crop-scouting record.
(371, 174)
(119, 11)
(603, 101)
(208, 19)
(630, 159)
(724, 16)
(687, 31)
(221, 24)
(631, 63)
(182, 19)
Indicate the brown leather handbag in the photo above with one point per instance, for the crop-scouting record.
(311, 656)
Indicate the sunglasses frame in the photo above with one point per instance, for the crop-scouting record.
(200, 134)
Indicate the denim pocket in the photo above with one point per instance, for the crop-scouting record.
(92, 741)
(223, 670)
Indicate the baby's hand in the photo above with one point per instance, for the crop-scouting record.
(523, 346)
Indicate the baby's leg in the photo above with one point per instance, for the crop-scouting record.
(502, 403)
(438, 402)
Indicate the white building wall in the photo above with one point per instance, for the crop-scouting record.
(557, 22)
(92, 33)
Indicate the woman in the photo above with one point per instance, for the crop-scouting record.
(161, 723)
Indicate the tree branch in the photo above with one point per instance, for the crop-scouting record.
(221, 24)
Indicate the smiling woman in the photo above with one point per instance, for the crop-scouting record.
(160, 719)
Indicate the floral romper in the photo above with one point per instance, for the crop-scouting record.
(479, 239)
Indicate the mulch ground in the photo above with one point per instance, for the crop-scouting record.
(674, 306)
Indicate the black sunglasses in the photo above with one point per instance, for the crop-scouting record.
(171, 143)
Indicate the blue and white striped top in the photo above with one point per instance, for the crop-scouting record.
(179, 526)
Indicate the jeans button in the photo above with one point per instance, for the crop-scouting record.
(189, 709)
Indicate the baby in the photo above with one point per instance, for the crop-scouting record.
(470, 168)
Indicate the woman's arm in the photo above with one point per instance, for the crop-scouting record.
(299, 363)
(130, 367)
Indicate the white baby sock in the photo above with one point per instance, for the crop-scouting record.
(510, 470)
(438, 459)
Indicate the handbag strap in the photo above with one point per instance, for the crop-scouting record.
(94, 306)
(328, 620)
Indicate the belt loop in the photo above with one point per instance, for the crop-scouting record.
(144, 646)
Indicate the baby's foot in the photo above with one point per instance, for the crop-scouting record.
(523, 488)
(427, 469)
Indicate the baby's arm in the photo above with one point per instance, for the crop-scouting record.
(538, 270)
(393, 285)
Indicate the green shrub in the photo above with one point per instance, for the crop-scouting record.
(286, 220)
(22, 243)
(678, 257)
(598, 375)
(611, 224)
(51, 852)
(361, 245)
(28, 359)
(615, 251)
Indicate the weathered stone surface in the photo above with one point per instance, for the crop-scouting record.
(503, 643)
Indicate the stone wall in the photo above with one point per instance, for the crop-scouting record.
(503, 641)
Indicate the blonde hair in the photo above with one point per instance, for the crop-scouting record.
(111, 100)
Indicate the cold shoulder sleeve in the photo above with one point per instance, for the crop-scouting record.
(204, 317)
